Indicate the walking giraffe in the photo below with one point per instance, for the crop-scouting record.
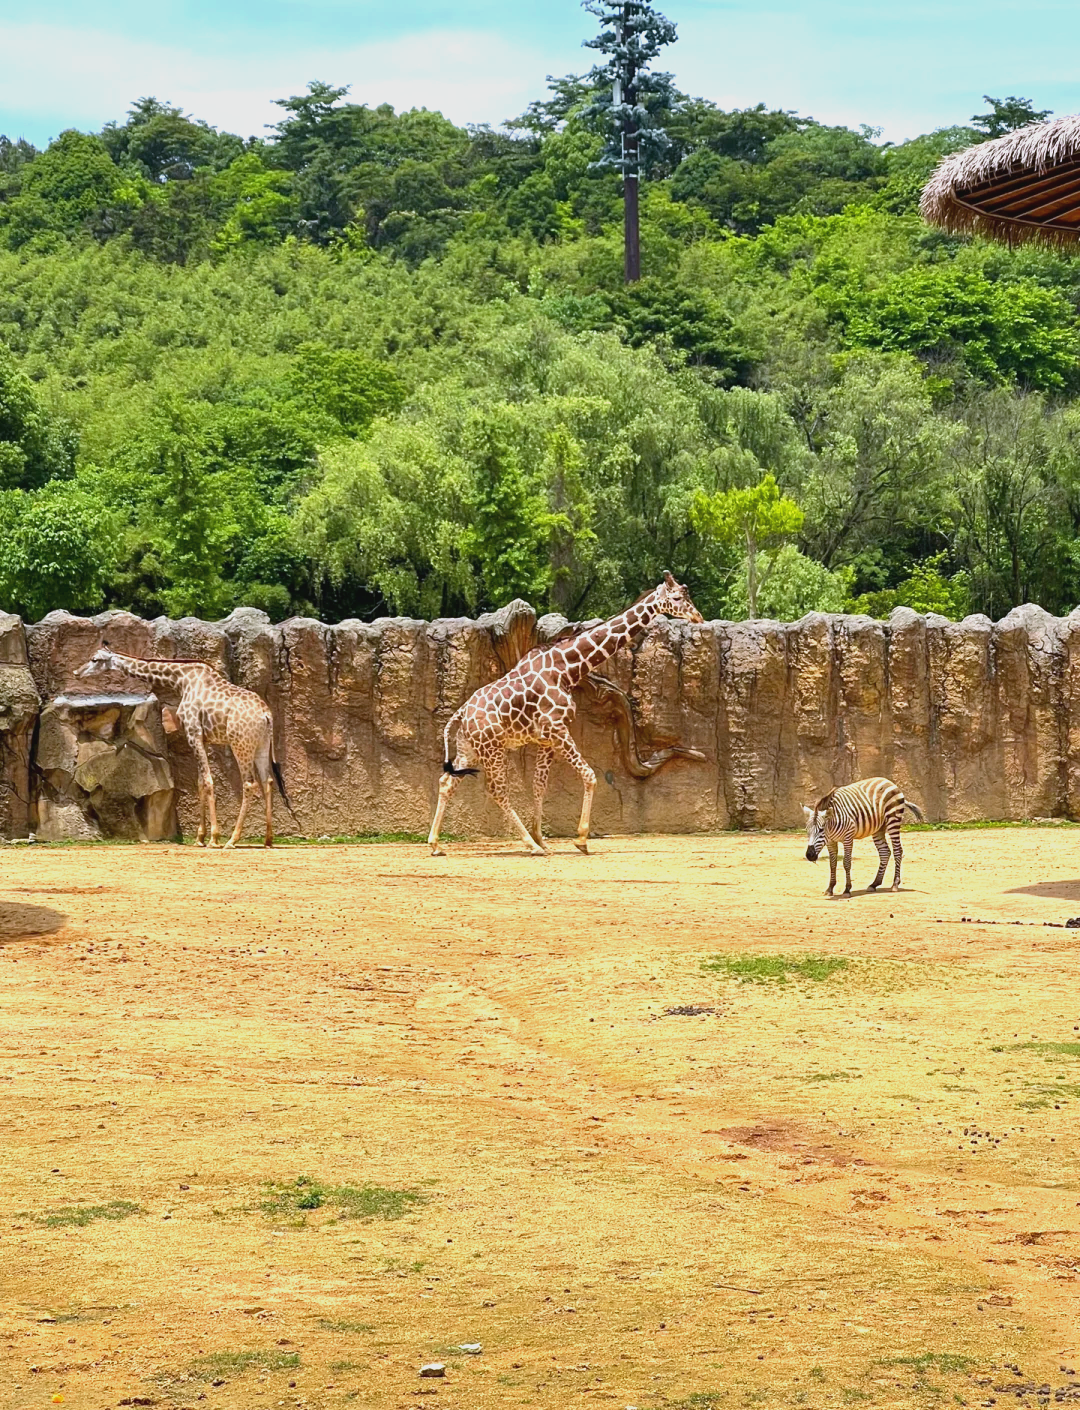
(212, 711)
(534, 704)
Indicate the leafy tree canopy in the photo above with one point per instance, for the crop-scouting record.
(375, 361)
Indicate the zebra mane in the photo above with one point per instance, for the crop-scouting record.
(824, 804)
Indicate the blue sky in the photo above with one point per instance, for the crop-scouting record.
(905, 68)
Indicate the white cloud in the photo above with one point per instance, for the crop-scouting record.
(90, 76)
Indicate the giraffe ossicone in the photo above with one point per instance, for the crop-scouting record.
(211, 710)
(534, 704)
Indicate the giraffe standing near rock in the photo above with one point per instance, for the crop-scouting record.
(534, 704)
(212, 711)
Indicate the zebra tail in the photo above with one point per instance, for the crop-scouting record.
(915, 809)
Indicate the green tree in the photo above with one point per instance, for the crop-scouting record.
(1006, 115)
(59, 545)
(256, 202)
(347, 384)
(756, 519)
(926, 589)
(63, 190)
(1001, 330)
(511, 526)
(34, 446)
(790, 586)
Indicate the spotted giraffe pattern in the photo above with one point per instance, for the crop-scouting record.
(534, 704)
(211, 710)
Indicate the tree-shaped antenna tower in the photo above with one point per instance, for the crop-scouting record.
(632, 34)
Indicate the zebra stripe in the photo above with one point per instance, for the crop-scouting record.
(873, 807)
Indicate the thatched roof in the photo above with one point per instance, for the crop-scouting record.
(1023, 186)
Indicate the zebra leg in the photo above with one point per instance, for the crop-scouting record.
(883, 859)
(898, 853)
(832, 867)
(847, 863)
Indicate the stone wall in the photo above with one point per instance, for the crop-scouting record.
(974, 719)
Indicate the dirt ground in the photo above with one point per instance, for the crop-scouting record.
(861, 1188)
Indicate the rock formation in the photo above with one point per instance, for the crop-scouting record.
(974, 719)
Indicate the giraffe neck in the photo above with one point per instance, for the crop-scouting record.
(597, 645)
(166, 675)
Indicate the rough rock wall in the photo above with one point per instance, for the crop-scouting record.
(973, 719)
(19, 706)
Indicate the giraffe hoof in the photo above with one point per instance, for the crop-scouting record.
(582, 847)
(228, 846)
(437, 852)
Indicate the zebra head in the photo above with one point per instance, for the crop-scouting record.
(815, 833)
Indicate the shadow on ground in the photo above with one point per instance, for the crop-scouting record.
(1053, 890)
(22, 922)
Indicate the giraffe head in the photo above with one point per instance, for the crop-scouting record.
(102, 660)
(673, 600)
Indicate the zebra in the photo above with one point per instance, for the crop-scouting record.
(873, 807)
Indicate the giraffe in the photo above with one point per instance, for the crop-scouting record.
(533, 704)
(212, 711)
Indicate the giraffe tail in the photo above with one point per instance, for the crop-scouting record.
(281, 783)
(448, 765)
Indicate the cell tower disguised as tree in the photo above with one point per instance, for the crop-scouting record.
(631, 34)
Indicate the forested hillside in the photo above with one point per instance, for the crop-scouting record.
(379, 363)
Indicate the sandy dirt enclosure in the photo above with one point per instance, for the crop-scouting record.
(281, 1127)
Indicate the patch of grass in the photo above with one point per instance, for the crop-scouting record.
(334, 1326)
(817, 1373)
(77, 1216)
(296, 1197)
(831, 1076)
(850, 1396)
(701, 1400)
(1050, 1049)
(1042, 1096)
(945, 1362)
(774, 969)
(986, 823)
(217, 1364)
(348, 1366)
(362, 838)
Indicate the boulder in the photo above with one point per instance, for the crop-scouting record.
(19, 705)
(102, 769)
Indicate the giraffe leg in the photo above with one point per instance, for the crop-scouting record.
(540, 780)
(200, 836)
(447, 785)
(568, 750)
(245, 799)
(206, 792)
(898, 853)
(883, 860)
(243, 750)
(493, 762)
